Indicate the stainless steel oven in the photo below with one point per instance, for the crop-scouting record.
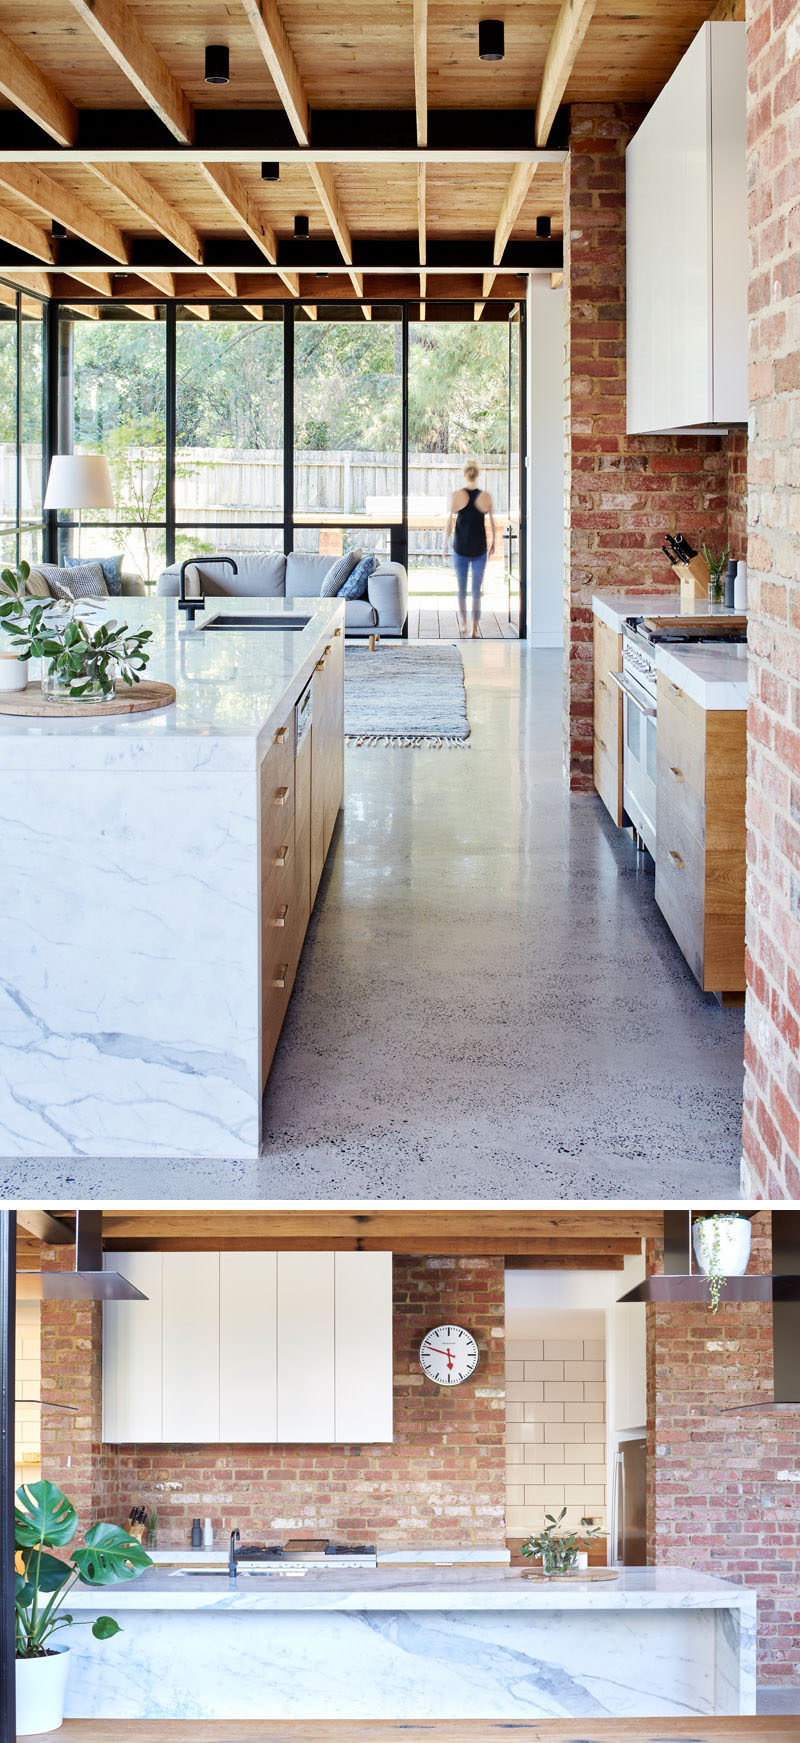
(637, 681)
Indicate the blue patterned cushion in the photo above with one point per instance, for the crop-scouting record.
(85, 581)
(338, 572)
(355, 586)
(111, 567)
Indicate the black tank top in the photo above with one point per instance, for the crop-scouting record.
(469, 538)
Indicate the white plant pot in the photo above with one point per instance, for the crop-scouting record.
(13, 673)
(734, 1245)
(41, 1686)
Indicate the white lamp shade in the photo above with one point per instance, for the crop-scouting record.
(79, 481)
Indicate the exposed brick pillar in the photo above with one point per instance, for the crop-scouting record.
(772, 1045)
(71, 1375)
(723, 1490)
(621, 493)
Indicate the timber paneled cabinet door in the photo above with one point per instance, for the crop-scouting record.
(607, 718)
(250, 1347)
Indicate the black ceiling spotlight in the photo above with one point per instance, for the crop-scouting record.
(217, 63)
(543, 229)
(491, 39)
(270, 172)
(58, 231)
(301, 230)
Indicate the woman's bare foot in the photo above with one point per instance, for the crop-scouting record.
(462, 626)
(474, 632)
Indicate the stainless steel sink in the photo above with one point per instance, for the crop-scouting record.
(218, 1573)
(247, 621)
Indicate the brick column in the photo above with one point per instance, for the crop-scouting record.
(71, 1356)
(772, 1043)
(622, 493)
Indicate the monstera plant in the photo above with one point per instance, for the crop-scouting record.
(46, 1520)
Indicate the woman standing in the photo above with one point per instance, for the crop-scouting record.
(469, 510)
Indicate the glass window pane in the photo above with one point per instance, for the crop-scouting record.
(332, 542)
(229, 461)
(112, 383)
(348, 421)
(31, 408)
(212, 541)
(8, 411)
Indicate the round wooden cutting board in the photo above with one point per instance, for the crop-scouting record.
(140, 699)
(577, 1574)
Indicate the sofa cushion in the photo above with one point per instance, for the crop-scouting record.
(359, 614)
(305, 573)
(111, 567)
(259, 573)
(85, 581)
(338, 572)
(355, 587)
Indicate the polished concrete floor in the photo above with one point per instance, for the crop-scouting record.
(489, 1003)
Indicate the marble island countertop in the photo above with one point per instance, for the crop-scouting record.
(712, 674)
(229, 687)
(422, 1588)
(613, 608)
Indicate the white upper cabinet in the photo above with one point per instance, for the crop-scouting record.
(250, 1347)
(628, 1331)
(686, 242)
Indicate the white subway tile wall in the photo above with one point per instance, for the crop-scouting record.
(555, 1431)
(27, 1432)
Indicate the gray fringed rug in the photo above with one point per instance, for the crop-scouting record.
(405, 695)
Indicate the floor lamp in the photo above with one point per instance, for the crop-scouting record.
(79, 481)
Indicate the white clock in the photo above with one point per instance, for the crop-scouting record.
(448, 1355)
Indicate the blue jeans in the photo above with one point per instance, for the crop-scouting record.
(461, 566)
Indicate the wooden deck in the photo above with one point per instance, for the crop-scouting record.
(429, 1731)
(432, 623)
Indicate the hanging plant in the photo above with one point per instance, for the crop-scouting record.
(721, 1244)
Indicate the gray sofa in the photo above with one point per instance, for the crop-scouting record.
(270, 574)
(133, 587)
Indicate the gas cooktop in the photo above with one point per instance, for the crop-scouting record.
(317, 1550)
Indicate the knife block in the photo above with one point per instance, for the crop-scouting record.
(694, 578)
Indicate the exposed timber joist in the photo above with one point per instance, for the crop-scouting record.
(274, 44)
(116, 27)
(237, 198)
(421, 69)
(569, 31)
(513, 202)
(32, 92)
(27, 237)
(70, 209)
(128, 181)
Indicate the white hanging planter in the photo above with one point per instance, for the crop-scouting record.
(722, 1245)
(41, 1687)
(13, 673)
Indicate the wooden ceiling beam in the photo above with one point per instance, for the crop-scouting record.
(569, 31)
(325, 186)
(237, 198)
(120, 33)
(270, 34)
(161, 281)
(29, 278)
(513, 202)
(32, 92)
(421, 69)
(68, 208)
(515, 1262)
(20, 233)
(100, 282)
(477, 311)
(504, 1231)
(422, 212)
(128, 181)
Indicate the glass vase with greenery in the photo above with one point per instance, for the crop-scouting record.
(83, 659)
(716, 573)
(45, 1519)
(558, 1551)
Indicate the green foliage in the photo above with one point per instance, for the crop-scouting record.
(85, 657)
(45, 1519)
(558, 1553)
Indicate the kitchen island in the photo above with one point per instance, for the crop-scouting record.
(163, 869)
(415, 1643)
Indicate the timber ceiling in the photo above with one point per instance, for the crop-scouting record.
(408, 154)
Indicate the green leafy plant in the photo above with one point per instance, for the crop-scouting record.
(44, 1520)
(714, 1274)
(716, 569)
(558, 1551)
(84, 656)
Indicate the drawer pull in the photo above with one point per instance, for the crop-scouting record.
(601, 684)
(281, 734)
(327, 650)
(281, 856)
(678, 773)
(279, 919)
(675, 688)
(281, 796)
(676, 859)
(321, 664)
(281, 974)
(338, 631)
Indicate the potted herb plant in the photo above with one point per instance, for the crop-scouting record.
(45, 1520)
(721, 1244)
(82, 659)
(558, 1551)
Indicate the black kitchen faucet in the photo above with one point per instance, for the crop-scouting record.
(198, 603)
(232, 1569)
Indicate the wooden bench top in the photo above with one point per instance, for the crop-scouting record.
(428, 1731)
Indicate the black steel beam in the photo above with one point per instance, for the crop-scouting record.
(238, 254)
(8, 1271)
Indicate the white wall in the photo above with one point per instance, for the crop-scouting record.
(545, 462)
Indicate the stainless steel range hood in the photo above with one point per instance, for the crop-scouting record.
(680, 1283)
(87, 1281)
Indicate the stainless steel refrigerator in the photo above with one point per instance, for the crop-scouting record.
(629, 1505)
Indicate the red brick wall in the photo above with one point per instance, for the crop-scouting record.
(442, 1481)
(723, 1491)
(737, 491)
(772, 1048)
(622, 493)
(71, 1355)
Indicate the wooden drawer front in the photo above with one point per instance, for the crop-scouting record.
(608, 780)
(675, 794)
(277, 811)
(682, 740)
(680, 883)
(608, 714)
(607, 649)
